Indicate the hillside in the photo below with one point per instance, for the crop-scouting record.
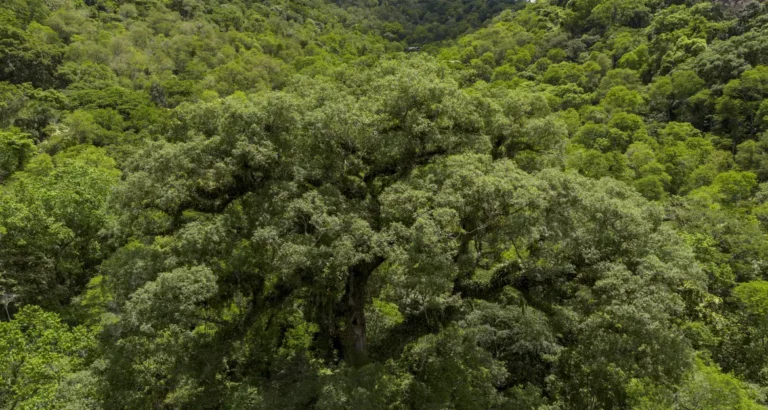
(383, 204)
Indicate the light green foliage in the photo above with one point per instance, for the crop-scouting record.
(44, 362)
(706, 387)
(622, 99)
(751, 156)
(620, 12)
(709, 388)
(733, 186)
(754, 295)
(15, 151)
(52, 214)
(753, 298)
(171, 299)
(651, 178)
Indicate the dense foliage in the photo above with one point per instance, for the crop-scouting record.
(287, 205)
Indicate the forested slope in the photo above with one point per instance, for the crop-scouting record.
(271, 205)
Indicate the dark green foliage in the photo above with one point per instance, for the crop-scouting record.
(422, 22)
(288, 205)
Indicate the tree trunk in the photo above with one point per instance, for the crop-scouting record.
(356, 345)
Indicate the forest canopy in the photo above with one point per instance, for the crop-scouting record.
(309, 204)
